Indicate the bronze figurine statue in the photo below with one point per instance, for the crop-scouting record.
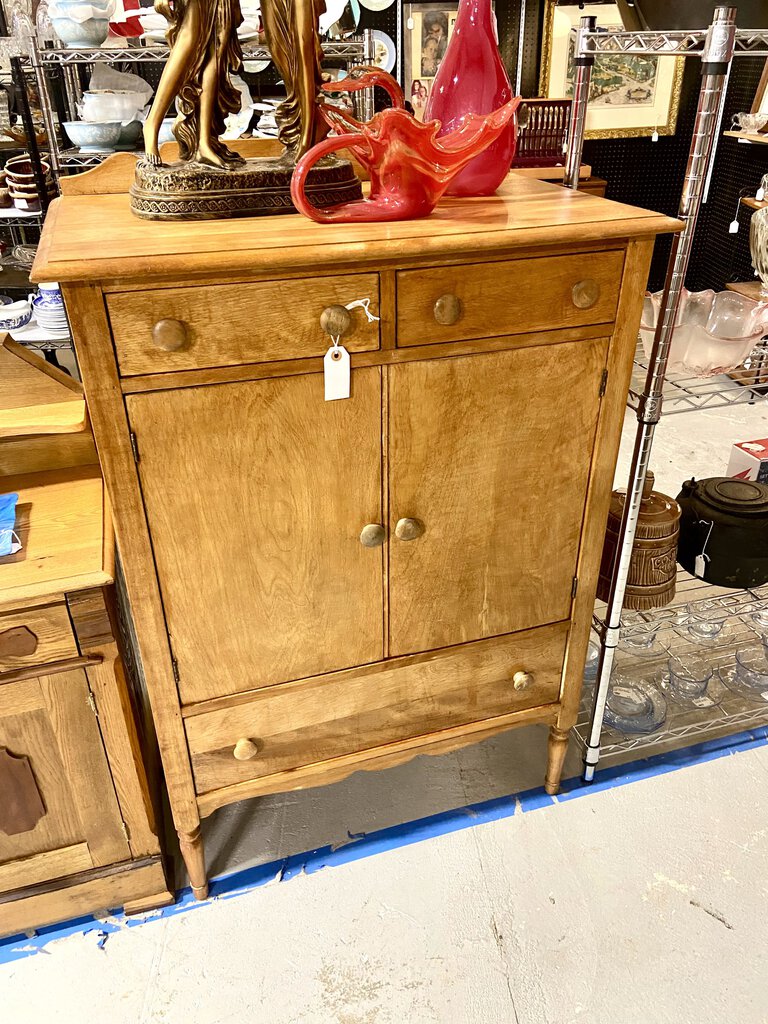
(205, 49)
(210, 180)
(290, 27)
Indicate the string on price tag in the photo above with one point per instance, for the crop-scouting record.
(336, 366)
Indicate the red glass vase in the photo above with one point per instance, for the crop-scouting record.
(471, 79)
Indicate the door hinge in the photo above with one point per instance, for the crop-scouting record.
(134, 447)
(92, 703)
(574, 586)
(603, 383)
(175, 667)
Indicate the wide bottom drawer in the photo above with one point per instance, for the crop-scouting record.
(314, 720)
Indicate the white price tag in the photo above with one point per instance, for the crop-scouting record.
(702, 702)
(733, 227)
(760, 194)
(336, 373)
(700, 566)
(655, 136)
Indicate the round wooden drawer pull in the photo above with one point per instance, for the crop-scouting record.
(373, 535)
(245, 749)
(335, 321)
(585, 294)
(409, 529)
(169, 335)
(448, 310)
(522, 680)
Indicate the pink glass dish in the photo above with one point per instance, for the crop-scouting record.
(714, 331)
(471, 79)
(410, 167)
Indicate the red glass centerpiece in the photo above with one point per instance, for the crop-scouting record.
(471, 79)
(410, 166)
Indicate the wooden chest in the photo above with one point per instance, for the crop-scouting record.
(77, 823)
(320, 587)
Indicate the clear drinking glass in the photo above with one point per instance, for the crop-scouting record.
(689, 677)
(706, 620)
(752, 668)
(639, 637)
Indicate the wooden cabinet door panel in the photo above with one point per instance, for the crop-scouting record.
(47, 725)
(256, 494)
(491, 453)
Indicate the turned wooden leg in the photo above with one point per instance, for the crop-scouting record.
(194, 859)
(556, 750)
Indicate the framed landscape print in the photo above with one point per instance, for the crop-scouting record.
(629, 95)
(428, 28)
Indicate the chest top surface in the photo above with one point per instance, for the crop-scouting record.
(96, 238)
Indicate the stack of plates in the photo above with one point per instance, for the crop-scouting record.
(49, 312)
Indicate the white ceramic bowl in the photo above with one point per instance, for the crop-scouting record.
(91, 32)
(110, 106)
(93, 137)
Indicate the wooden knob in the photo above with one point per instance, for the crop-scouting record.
(169, 335)
(245, 749)
(522, 680)
(336, 321)
(409, 529)
(448, 309)
(585, 294)
(373, 535)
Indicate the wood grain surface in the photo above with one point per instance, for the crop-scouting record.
(525, 212)
(60, 522)
(508, 297)
(317, 720)
(271, 486)
(239, 323)
(52, 630)
(492, 455)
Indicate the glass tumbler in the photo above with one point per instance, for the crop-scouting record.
(689, 677)
(752, 668)
(706, 620)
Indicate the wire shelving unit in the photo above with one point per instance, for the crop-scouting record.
(652, 389)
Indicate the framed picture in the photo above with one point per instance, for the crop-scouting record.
(629, 95)
(428, 28)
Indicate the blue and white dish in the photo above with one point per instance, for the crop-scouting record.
(13, 321)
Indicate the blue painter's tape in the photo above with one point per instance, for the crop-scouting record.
(367, 845)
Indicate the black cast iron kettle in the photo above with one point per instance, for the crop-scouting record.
(724, 531)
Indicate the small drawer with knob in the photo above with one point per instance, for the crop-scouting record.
(347, 714)
(165, 329)
(487, 300)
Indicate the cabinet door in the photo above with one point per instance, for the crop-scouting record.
(256, 494)
(58, 810)
(491, 454)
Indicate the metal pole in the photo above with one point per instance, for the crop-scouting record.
(716, 60)
(45, 108)
(369, 53)
(520, 48)
(583, 64)
(29, 129)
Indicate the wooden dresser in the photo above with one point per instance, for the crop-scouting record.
(77, 827)
(323, 587)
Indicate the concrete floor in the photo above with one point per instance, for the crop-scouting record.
(640, 903)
